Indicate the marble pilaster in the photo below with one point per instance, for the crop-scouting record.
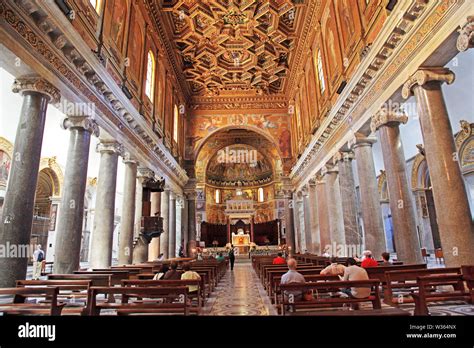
(154, 246)
(307, 214)
(165, 214)
(313, 206)
(172, 226)
(323, 214)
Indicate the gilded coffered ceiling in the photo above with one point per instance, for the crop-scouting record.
(227, 48)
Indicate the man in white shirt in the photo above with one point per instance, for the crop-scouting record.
(354, 272)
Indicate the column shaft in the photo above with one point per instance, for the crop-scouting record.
(307, 223)
(323, 215)
(17, 218)
(315, 232)
(349, 201)
(102, 237)
(154, 246)
(334, 203)
(71, 211)
(449, 191)
(165, 214)
(369, 197)
(401, 206)
(172, 227)
(128, 213)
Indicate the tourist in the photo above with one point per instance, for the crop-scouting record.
(38, 258)
(292, 276)
(161, 257)
(368, 260)
(190, 275)
(161, 273)
(334, 268)
(231, 257)
(220, 257)
(181, 251)
(386, 259)
(354, 272)
(173, 273)
(279, 260)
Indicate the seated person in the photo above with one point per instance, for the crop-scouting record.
(368, 260)
(334, 268)
(386, 259)
(173, 273)
(279, 260)
(188, 274)
(161, 257)
(161, 273)
(354, 272)
(292, 276)
(220, 257)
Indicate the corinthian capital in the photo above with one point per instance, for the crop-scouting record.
(109, 146)
(425, 75)
(36, 84)
(466, 36)
(387, 117)
(84, 122)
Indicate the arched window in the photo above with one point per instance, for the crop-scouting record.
(175, 123)
(318, 63)
(260, 195)
(150, 76)
(218, 196)
(96, 5)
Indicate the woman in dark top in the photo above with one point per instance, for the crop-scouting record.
(231, 257)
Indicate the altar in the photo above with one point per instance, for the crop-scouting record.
(241, 241)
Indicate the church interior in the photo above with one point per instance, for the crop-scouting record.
(238, 144)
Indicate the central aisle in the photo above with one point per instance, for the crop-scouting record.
(239, 293)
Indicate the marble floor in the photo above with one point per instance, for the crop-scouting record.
(239, 293)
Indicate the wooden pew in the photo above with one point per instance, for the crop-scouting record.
(315, 270)
(163, 300)
(276, 298)
(327, 286)
(405, 281)
(427, 291)
(116, 276)
(199, 296)
(69, 292)
(379, 271)
(48, 305)
(96, 279)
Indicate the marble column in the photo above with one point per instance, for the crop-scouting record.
(102, 236)
(184, 224)
(165, 214)
(349, 201)
(449, 191)
(400, 198)
(154, 246)
(323, 214)
(299, 221)
(369, 195)
(17, 219)
(71, 211)
(140, 244)
(313, 205)
(307, 220)
(172, 226)
(191, 219)
(334, 203)
(125, 255)
(289, 221)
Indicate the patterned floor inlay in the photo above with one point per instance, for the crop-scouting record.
(239, 293)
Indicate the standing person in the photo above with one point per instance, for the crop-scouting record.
(231, 257)
(181, 251)
(38, 258)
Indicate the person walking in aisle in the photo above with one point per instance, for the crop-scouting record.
(231, 257)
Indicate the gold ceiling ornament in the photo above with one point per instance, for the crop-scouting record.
(241, 47)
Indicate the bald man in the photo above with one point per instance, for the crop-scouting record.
(292, 276)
